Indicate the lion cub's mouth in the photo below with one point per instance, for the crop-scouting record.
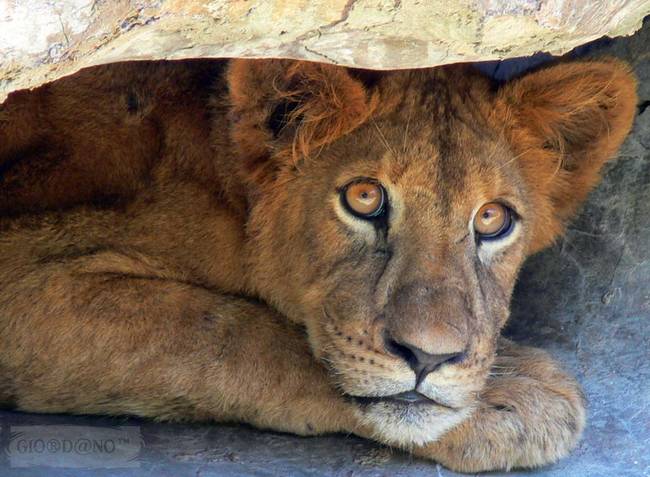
(408, 398)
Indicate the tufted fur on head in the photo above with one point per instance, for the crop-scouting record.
(282, 110)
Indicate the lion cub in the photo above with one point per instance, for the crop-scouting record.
(302, 247)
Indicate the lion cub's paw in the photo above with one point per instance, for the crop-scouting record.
(530, 413)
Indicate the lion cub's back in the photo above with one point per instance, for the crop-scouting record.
(96, 136)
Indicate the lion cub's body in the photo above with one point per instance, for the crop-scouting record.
(149, 211)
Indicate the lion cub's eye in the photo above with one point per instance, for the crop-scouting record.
(493, 220)
(364, 198)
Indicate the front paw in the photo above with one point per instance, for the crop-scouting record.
(531, 413)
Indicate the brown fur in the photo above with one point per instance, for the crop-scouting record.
(172, 245)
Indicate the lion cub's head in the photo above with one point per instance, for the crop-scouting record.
(390, 213)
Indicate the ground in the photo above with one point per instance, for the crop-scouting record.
(586, 300)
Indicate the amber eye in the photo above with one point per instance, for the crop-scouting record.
(364, 198)
(493, 220)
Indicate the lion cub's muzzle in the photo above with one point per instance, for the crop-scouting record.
(419, 351)
(416, 368)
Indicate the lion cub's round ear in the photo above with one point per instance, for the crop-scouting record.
(566, 121)
(283, 110)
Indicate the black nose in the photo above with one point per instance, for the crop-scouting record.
(421, 362)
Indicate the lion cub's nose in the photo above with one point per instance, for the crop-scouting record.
(427, 326)
(421, 362)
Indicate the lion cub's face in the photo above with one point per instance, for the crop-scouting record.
(391, 216)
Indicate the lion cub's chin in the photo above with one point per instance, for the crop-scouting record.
(408, 425)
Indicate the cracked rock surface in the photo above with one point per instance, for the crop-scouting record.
(41, 40)
(586, 300)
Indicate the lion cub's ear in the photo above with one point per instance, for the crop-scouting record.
(566, 122)
(283, 110)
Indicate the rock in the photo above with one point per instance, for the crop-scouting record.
(42, 41)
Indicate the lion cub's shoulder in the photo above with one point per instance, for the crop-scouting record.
(96, 136)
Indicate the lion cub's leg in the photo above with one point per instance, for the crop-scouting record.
(531, 413)
(105, 343)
